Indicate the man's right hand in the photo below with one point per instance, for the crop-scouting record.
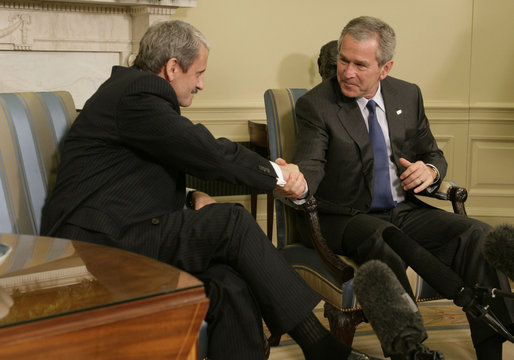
(295, 182)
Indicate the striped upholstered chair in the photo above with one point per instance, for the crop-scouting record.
(327, 273)
(32, 125)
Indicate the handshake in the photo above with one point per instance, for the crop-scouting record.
(291, 183)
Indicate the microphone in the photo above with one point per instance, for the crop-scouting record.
(473, 300)
(498, 249)
(391, 312)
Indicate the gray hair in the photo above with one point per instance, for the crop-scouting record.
(169, 39)
(366, 27)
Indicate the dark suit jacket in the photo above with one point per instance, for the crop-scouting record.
(124, 158)
(333, 148)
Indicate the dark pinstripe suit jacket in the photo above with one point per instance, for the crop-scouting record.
(333, 148)
(124, 158)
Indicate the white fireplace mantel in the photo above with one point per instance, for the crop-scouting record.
(72, 44)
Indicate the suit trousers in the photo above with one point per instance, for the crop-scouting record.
(232, 306)
(455, 240)
(245, 275)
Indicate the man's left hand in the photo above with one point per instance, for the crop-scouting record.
(417, 176)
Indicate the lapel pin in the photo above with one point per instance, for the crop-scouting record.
(399, 111)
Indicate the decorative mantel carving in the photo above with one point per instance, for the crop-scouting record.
(19, 22)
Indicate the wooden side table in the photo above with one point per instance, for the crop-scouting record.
(259, 143)
(64, 299)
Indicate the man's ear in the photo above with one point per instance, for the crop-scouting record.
(385, 69)
(169, 69)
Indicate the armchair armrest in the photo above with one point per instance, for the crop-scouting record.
(341, 270)
(449, 190)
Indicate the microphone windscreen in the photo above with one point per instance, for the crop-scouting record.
(498, 249)
(390, 310)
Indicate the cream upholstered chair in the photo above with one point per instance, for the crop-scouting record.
(327, 273)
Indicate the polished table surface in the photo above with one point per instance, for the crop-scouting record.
(45, 280)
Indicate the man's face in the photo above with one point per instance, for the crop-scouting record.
(358, 72)
(187, 84)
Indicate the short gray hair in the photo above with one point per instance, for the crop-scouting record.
(169, 39)
(366, 27)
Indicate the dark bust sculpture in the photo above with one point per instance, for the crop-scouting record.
(327, 60)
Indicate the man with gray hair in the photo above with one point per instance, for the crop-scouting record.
(365, 148)
(121, 183)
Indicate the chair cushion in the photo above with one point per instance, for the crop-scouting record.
(313, 270)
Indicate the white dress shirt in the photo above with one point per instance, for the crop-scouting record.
(396, 188)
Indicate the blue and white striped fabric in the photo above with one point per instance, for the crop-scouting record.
(32, 125)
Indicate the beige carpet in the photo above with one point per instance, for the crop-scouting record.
(447, 330)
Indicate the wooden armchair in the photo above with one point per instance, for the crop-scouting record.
(327, 273)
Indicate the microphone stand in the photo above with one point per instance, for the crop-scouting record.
(475, 308)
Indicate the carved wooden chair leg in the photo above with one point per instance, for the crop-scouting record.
(343, 324)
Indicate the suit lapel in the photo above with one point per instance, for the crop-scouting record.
(351, 119)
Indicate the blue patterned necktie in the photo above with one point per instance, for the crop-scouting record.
(382, 196)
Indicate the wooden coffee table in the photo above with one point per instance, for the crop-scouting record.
(62, 299)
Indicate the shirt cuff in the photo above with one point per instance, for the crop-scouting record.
(280, 177)
(299, 201)
(281, 182)
(438, 177)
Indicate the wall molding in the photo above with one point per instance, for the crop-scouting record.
(484, 150)
(439, 113)
(492, 112)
